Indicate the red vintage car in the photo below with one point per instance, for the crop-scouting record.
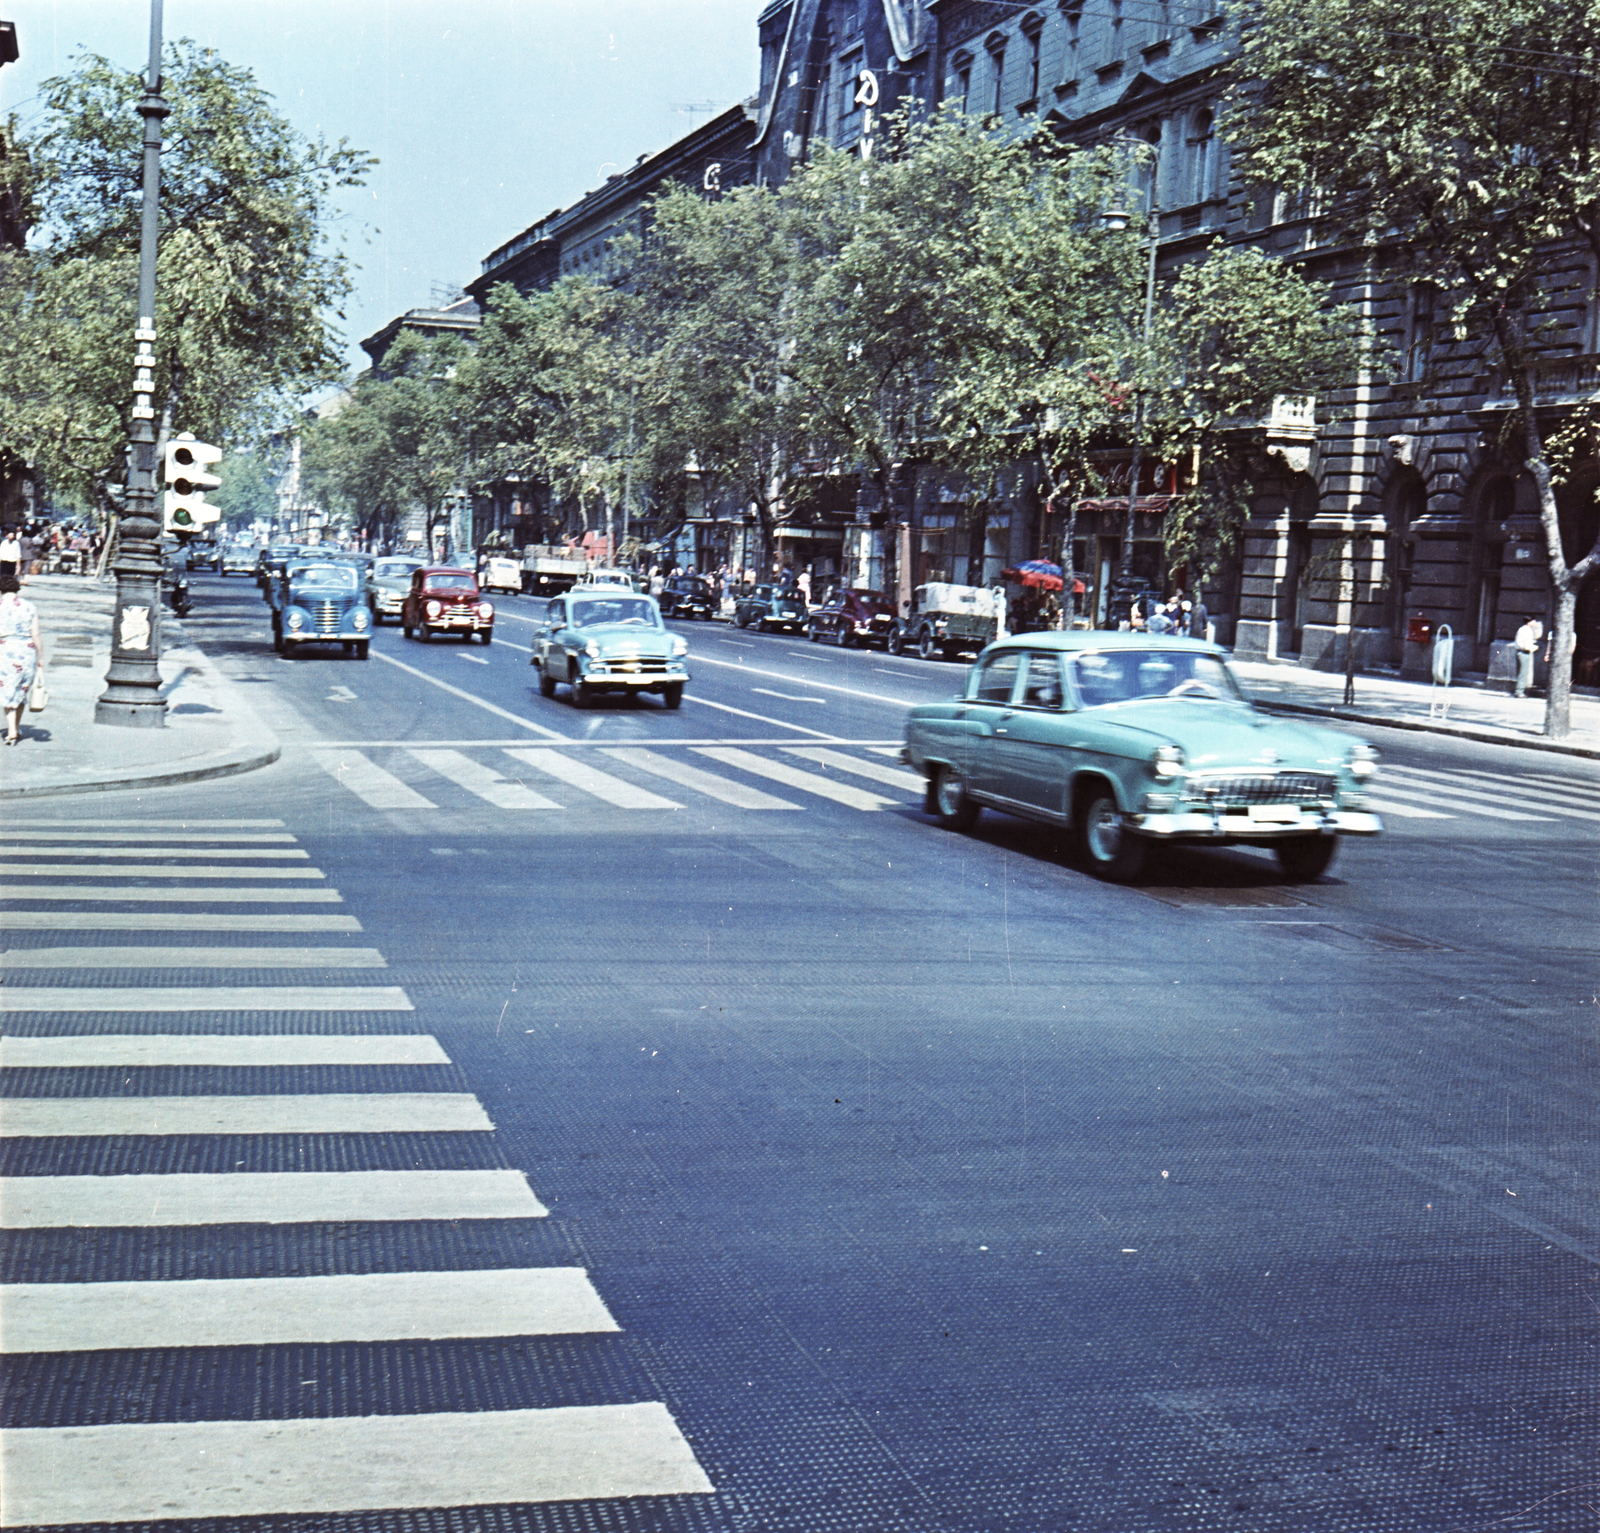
(446, 600)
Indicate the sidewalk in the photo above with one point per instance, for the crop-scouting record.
(1468, 713)
(210, 730)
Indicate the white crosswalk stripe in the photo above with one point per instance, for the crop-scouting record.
(1398, 782)
(568, 769)
(306, 1467)
(874, 771)
(370, 783)
(688, 776)
(1568, 801)
(1405, 811)
(483, 781)
(808, 782)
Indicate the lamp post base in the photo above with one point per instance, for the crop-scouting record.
(144, 714)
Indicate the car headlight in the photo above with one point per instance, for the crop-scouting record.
(680, 645)
(434, 609)
(296, 619)
(1167, 761)
(1362, 762)
(360, 618)
(486, 609)
(592, 650)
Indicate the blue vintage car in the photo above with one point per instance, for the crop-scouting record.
(320, 603)
(1128, 740)
(604, 639)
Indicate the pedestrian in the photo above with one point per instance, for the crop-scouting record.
(804, 583)
(1527, 642)
(1199, 618)
(21, 653)
(10, 553)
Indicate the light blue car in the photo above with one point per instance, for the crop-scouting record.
(1128, 740)
(320, 603)
(606, 639)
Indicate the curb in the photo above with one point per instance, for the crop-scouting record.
(264, 749)
(1457, 731)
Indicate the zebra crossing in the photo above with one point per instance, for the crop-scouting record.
(68, 1006)
(866, 778)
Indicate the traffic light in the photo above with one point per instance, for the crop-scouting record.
(184, 468)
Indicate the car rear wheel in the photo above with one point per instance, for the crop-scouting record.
(673, 697)
(1305, 858)
(928, 646)
(1108, 848)
(946, 798)
(812, 634)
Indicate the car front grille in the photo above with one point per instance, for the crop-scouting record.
(325, 617)
(630, 667)
(1262, 788)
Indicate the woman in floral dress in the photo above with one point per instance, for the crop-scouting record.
(20, 649)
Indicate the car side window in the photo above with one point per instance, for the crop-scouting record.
(558, 616)
(1042, 688)
(998, 678)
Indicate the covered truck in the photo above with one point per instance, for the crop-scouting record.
(549, 568)
(946, 619)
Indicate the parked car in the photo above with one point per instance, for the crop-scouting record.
(238, 559)
(1128, 740)
(611, 579)
(204, 554)
(946, 619)
(446, 600)
(596, 640)
(687, 596)
(853, 617)
(319, 602)
(771, 607)
(500, 570)
(387, 585)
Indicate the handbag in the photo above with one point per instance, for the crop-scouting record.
(38, 695)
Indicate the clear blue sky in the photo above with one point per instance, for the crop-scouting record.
(486, 114)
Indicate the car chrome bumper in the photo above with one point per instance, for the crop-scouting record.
(1239, 827)
(634, 678)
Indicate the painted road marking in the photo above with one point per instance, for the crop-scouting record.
(260, 1312)
(602, 785)
(396, 1112)
(228, 853)
(468, 697)
(70, 998)
(265, 1197)
(128, 1049)
(895, 777)
(1410, 785)
(1404, 811)
(778, 771)
(193, 958)
(148, 870)
(169, 921)
(139, 1473)
(810, 681)
(682, 773)
(274, 838)
(760, 718)
(482, 781)
(790, 697)
(168, 825)
(370, 783)
(216, 894)
(1535, 797)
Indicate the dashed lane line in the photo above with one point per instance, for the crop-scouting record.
(744, 713)
(323, 1465)
(402, 1112)
(273, 1049)
(811, 681)
(259, 1312)
(262, 1197)
(469, 697)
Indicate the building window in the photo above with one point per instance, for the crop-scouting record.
(997, 62)
(1202, 155)
(1032, 36)
(961, 80)
(1072, 15)
(1419, 339)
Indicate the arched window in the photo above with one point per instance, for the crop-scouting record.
(960, 83)
(1032, 37)
(1202, 155)
(996, 44)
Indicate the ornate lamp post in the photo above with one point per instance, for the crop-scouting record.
(132, 696)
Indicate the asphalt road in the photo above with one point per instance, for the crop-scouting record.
(667, 1126)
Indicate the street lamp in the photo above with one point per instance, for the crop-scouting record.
(1116, 219)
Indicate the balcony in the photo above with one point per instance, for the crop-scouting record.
(1558, 383)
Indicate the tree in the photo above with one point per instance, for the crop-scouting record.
(402, 443)
(248, 286)
(246, 494)
(1465, 138)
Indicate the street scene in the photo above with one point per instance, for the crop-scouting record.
(896, 834)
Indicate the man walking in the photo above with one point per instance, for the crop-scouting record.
(1527, 642)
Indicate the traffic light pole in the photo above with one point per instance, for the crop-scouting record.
(133, 683)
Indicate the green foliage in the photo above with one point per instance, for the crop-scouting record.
(248, 287)
(247, 493)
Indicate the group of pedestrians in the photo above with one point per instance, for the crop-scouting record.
(1177, 615)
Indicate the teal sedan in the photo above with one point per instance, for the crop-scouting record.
(604, 638)
(1127, 740)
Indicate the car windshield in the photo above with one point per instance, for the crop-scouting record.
(394, 569)
(452, 583)
(334, 576)
(637, 610)
(1128, 675)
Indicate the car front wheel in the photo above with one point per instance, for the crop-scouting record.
(361, 648)
(1107, 846)
(673, 697)
(1305, 858)
(486, 636)
(947, 799)
(927, 645)
(547, 686)
(896, 642)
